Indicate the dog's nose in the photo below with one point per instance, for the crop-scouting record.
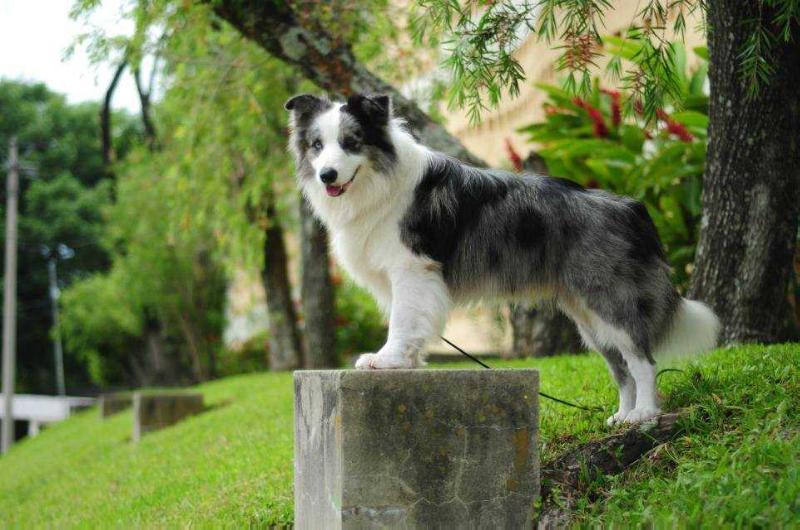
(328, 175)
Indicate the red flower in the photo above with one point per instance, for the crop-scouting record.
(674, 127)
(600, 129)
(513, 156)
(616, 109)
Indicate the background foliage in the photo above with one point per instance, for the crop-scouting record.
(192, 211)
(63, 197)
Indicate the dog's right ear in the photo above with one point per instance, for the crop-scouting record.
(303, 104)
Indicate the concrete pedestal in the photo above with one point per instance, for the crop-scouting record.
(416, 448)
(111, 404)
(154, 411)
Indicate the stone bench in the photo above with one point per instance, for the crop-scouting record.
(154, 411)
(113, 403)
(416, 448)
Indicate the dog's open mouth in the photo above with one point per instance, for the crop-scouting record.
(335, 191)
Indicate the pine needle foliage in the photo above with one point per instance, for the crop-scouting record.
(480, 38)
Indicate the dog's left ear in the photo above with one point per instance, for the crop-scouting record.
(377, 109)
(303, 104)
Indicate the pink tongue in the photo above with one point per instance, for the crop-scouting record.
(334, 191)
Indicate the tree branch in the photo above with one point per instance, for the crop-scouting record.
(144, 100)
(328, 61)
(105, 116)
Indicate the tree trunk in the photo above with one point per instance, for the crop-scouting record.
(150, 135)
(317, 292)
(285, 350)
(540, 331)
(750, 189)
(328, 61)
(105, 117)
(193, 345)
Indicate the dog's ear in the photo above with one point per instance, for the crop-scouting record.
(303, 104)
(377, 109)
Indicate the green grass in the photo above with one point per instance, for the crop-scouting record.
(737, 463)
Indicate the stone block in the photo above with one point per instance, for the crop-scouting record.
(111, 404)
(154, 411)
(416, 448)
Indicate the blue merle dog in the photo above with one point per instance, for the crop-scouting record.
(423, 231)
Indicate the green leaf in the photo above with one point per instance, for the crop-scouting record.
(691, 118)
(701, 51)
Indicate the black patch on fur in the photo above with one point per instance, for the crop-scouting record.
(493, 257)
(373, 115)
(530, 227)
(642, 233)
(447, 209)
(644, 306)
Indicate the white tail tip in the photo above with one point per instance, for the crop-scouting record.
(694, 329)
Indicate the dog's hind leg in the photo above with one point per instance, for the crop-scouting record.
(632, 344)
(619, 372)
(643, 371)
(419, 307)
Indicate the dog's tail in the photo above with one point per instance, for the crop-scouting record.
(694, 329)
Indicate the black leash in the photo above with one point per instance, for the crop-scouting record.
(548, 396)
(467, 355)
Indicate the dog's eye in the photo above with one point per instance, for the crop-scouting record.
(317, 145)
(350, 143)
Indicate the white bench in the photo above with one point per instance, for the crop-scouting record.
(41, 410)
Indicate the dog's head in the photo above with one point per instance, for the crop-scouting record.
(336, 144)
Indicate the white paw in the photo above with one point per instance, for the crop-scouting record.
(639, 415)
(376, 361)
(617, 418)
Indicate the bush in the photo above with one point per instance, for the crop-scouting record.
(360, 325)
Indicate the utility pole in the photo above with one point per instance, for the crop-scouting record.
(10, 297)
(58, 351)
(52, 255)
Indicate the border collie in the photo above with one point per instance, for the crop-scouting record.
(422, 231)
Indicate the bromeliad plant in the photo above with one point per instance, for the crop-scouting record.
(660, 163)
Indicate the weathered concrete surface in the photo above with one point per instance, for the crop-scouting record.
(111, 404)
(153, 411)
(416, 449)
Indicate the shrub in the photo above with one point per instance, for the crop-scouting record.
(360, 326)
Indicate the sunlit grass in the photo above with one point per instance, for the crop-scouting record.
(232, 465)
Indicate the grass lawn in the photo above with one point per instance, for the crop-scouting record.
(737, 464)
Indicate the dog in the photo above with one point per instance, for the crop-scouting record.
(423, 231)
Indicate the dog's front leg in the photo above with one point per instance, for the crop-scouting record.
(420, 303)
